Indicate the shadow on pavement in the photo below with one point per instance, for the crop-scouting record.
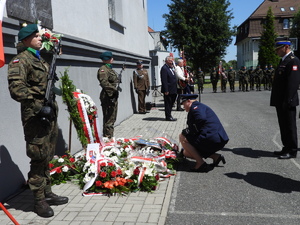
(268, 181)
(249, 152)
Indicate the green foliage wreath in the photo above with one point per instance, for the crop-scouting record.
(68, 88)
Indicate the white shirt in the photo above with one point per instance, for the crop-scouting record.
(179, 73)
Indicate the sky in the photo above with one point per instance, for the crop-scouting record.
(241, 10)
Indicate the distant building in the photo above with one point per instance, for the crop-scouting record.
(249, 32)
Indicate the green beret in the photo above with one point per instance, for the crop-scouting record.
(106, 56)
(27, 31)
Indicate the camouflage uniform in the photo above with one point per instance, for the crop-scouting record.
(200, 80)
(27, 79)
(251, 78)
(231, 78)
(259, 76)
(244, 79)
(214, 78)
(108, 79)
(270, 77)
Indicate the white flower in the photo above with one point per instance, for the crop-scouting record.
(61, 160)
(87, 178)
(65, 169)
(115, 159)
(93, 168)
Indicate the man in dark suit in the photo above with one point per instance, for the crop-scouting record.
(284, 97)
(169, 86)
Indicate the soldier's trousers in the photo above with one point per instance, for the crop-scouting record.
(109, 109)
(40, 148)
(141, 99)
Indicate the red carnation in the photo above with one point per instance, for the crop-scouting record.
(98, 183)
(110, 164)
(51, 165)
(59, 170)
(136, 171)
(72, 160)
(103, 174)
(119, 172)
(113, 174)
(102, 164)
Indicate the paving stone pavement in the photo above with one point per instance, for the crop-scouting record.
(136, 208)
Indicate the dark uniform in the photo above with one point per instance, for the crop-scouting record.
(214, 78)
(109, 94)
(200, 80)
(284, 97)
(27, 79)
(205, 131)
(141, 85)
(231, 78)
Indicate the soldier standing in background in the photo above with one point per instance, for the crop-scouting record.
(214, 78)
(223, 79)
(231, 78)
(265, 78)
(109, 80)
(141, 85)
(271, 73)
(259, 76)
(200, 80)
(251, 78)
(244, 78)
(27, 79)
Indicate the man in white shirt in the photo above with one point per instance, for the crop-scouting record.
(181, 82)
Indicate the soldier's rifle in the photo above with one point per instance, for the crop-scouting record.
(47, 110)
(120, 76)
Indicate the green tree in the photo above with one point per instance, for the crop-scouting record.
(201, 28)
(295, 30)
(266, 53)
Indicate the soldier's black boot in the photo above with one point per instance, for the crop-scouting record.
(43, 209)
(53, 199)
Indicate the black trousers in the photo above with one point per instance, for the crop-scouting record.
(169, 102)
(288, 128)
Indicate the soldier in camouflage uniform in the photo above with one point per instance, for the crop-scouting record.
(270, 77)
(231, 78)
(265, 77)
(224, 79)
(27, 79)
(214, 78)
(244, 78)
(259, 76)
(200, 80)
(251, 78)
(109, 80)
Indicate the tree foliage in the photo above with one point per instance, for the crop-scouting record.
(266, 53)
(201, 28)
(295, 30)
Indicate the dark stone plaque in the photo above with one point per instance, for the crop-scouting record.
(30, 11)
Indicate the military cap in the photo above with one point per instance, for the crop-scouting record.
(282, 43)
(106, 55)
(139, 62)
(27, 31)
(185, 97)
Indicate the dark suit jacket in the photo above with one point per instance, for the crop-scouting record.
(286, 82)
(168, 80)
(205, 127)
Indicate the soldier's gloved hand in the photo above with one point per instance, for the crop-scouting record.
(47, 112)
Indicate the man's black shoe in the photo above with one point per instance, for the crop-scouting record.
(282, 152)
(171, 119)
(287, 156)
(180, 109)
(53, 199)
(43, 209)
